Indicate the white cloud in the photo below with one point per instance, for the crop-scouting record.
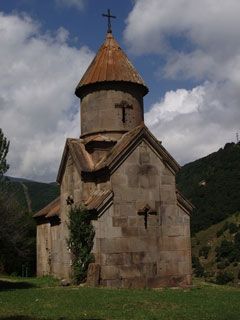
(208, 23)
(39, 73)
(198, 121)
(194, 123)
(79, 4)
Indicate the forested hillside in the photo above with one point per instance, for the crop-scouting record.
(31, 195)
(212, 184)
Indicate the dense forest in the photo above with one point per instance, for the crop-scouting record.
(212, 184)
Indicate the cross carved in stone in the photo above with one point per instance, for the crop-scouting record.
(109, 17)
(145, 212)
(123, 105)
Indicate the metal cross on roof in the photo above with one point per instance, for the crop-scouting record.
(109, 16)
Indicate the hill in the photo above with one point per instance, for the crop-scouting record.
(216, 251)
(31, 195)
(212, 184)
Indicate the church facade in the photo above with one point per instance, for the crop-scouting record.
(126, 178)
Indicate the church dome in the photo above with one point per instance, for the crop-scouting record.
(110, 65)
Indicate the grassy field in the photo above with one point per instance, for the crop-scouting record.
(44, 299)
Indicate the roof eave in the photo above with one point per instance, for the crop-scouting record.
(82, 89)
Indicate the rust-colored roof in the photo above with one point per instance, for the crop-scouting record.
(51, 210)
(99, 200)
(110, 64)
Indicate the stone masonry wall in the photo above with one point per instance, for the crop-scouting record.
(130, 254)
(98, 112)
(43, 249)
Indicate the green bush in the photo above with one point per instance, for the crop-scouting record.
(197, 266)
(223, 229)
(204, 251)
(234, 255)
(227, 263)
(224, 277)
(237, 239)
(225, 249)
(80, 242)
(221, 265)
(233, 228)
(219, 233)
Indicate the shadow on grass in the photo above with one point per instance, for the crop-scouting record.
(16, 317)
(11, 285)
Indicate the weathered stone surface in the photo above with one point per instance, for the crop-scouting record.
(130, 250)
(93, 275)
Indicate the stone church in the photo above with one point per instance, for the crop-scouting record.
(125, 177)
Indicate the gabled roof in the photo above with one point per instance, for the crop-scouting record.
(80, 156)
(184, 203)
(110, 64)
(84, 162)
(99, 200)
(51, 210)
(127, 143)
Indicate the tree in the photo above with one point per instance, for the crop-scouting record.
(4, 147)
(80, 241)
(17, 228)
(17, 237)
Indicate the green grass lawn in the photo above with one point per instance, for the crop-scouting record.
(44, 299)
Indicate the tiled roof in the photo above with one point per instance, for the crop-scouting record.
(110, 64)
(80, 156)
(99, 199)
(51, 210)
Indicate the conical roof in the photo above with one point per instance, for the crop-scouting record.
(110, 64)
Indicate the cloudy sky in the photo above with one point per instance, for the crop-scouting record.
(187, 51)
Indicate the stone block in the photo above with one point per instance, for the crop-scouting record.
(118, 259)
(174, 243)
(168, 180)
(138, 257)
(133, 221)
(119, 178)
(132, 175)
(174, 230)
(114, 283)
(127, 209)
(161, 268)
(109, 273)
(119, 221)
(114, 245)
(93, 275)
(144, 157)
(157, 282)
(168, 195)
(184, 267)
(150, 270)
(132, 271)
(127, 231)
(138, 283)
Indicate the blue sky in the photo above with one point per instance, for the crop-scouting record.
(87, 27)
(188, 53)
